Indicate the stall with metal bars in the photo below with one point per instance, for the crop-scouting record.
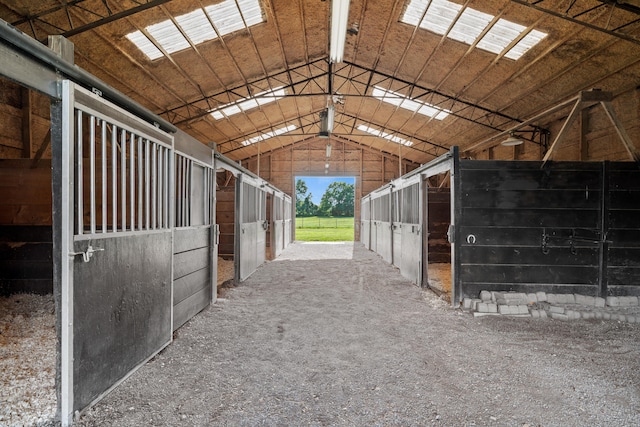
(133, 232)
(561, 227)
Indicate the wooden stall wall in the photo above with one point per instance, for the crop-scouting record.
(225, 213)
(622, 229)
(568, 228)
(438, 220)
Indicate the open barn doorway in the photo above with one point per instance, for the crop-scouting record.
(437, 207)
(27, 308)
(225, 218)
(325, 207)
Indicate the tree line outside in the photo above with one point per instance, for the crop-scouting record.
(337, 200)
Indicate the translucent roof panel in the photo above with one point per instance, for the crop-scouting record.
(268, 135)
(245, 104)
(445, 18)
(227, 16)
(402, 101)
(385, 135)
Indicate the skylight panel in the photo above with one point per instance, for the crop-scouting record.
(402, 101)
(439, 16)
(268, 135)
(245, 104)
(470, 26)
(385, 135)
(227, 17)
(500, 36)
(196, 26)
(530, 40)
(168, 36)
(145, 45)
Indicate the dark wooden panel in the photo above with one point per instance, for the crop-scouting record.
(190, 307)
(26, 269)
(188, 262)
(25, 233)
(190, 284)
(508, 274)
(628, 257)
(122, 310)
(25, 251)
(531, 166)
(529, 180)
(526, 199)
(625, 199)
(190, 238)
(29, 286)
(528, 236)
(561, 218)
(624, 238)
(624, 179)
(624, 219)
(628, 276)
(528, 256)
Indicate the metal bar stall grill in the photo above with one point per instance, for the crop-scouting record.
(106, 165)
(117, 150)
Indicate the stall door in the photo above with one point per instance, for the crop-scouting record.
(251, 226)
(112, 183)
(411, 263)
(277, 233)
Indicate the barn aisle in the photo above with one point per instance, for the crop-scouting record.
(329, 334)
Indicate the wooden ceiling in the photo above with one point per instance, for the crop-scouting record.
(590, 44)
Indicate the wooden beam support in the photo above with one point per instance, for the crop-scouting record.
(620, 130)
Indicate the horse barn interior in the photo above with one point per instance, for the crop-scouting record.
(495, 145)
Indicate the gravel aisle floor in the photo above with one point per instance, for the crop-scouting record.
(329, 334)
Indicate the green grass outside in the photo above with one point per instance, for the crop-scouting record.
(323, 229)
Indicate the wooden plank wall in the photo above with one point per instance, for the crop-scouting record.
(225, 217)
(506, 210)
(371, 168)
(25, 227)
(438, 220)
(191, 273)
(623, 229)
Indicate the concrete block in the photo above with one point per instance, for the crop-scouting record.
(522, 309)
(485, 296)
(559, 316)
(598, 315)
(587, 314)
(613, 302)
(508, 310)
(632, 319)
(535, 314)
(606, 316)
(551, 298)
(482, 307)
(543, 314)
(492, 307)
(570, 298)
(620, 317)
(631, 301)
(556, 309)
(466, 303)
(493, 296)
(541, 296)
(476, 314)
(474, 304)
(573, 314)
(532, 298)
(585, 300)
(600, 302)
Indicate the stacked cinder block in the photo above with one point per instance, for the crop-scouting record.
(541, 305)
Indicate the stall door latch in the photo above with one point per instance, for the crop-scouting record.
(86, 255)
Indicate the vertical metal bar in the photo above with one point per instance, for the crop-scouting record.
(114, 179)
(147, 184)
(167, 203)
(132, 181)
(161, 187)
(92, 173)
(79, 195)
(178, 175)
(154, 188)
(140, 224)
(104, 181)
(123, 178)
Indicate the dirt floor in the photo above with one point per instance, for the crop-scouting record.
(329, 334)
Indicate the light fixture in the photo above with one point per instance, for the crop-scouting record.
(339, 17)
(511, 141)
(326, 122)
